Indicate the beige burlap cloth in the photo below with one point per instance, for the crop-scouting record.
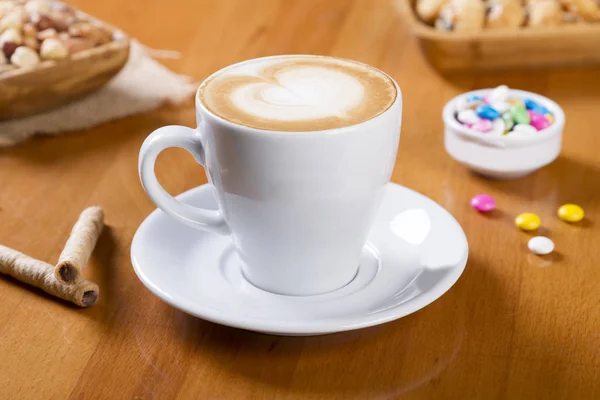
(141, 86)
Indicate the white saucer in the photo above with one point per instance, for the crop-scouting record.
(415, 252)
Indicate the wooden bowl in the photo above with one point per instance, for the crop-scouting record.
(27, 91)
(576, 44)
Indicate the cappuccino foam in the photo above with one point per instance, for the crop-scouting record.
(298, 93)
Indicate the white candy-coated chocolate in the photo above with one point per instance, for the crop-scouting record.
(524, 130)
(468, 117)
(499, 94)
(541, 245)
(498, 127)
(500, 106)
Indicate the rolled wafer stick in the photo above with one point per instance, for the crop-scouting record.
(80, 245)
(41, 275)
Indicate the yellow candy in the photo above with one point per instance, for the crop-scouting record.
(570, 213)
(549, 117)
(527, 221)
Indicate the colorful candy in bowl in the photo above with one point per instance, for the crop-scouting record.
(503, 133)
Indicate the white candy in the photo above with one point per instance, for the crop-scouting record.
(468, 117)
(498, 94)
(53, 49)
(498, 127)
(38, 7)
(11, 35)
(461, 104)
(541, 245)
(523, 130)
(24, 57)
(3, 59)
(500, 106)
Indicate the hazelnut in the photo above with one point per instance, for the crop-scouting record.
(32, 43)
(8, 48)
(24, 57)
(64, 36)
(41, 22)
(53, 49)
(11, 35)
(92, 32)
(38, 6)
(75, 45)
(47, 33)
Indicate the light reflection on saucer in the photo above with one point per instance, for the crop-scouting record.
(412, 226)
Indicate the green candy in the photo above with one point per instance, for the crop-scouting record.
(508, 121)
(519, 114)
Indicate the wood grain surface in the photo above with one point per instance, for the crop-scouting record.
(515, 326)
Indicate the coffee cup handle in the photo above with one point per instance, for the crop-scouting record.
(188, 139)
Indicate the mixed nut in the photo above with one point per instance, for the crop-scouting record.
(35, 30)
(477, 15)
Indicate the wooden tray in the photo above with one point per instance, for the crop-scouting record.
(27, 91)
(577, 44)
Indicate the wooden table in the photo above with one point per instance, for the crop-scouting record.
(515, 326)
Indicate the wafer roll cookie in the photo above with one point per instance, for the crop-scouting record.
(41, 275)
(80, 245)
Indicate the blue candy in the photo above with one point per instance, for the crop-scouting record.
(487, 112)
(530, 104)
(533, 106)
(474, 97)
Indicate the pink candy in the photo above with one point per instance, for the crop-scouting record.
(483, 203)
(538, 121)
(484, 125)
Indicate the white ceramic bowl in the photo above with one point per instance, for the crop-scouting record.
(503, 157)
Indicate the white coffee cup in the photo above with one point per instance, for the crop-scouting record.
(298, 205)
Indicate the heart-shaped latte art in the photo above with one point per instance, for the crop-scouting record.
(299, 93)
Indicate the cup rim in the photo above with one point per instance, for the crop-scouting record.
(234, 125)
(543, 135)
